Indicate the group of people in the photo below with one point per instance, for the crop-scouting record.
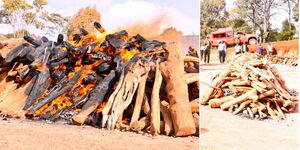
(270, 49)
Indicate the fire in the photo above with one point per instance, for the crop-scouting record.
(127, 55)
(101, 107)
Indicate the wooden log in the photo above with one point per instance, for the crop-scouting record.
(271, 112)
(168, 126)
(250, 112)
(217, 82)
(139, 99)
(214, 103)
(258, 88)
(191, 77)
(191, 58)
(257, 71)
(266, 94)
(141, 124)
(196, 119)
(195, 105)
(242, 106)
(238, 82)
(177, 92)
(250, 95)
(279, 77)
(96, 97)
(280, 113)
(155, 103)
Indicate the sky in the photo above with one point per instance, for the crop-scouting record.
(180, 14)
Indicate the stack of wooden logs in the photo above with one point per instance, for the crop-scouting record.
(291, 61)
(251, 87)
(121, 81)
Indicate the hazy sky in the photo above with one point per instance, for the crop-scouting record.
(180, 14)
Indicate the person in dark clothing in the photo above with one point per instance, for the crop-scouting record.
(260, 49)
(202, 50)
(207, 50)
(244, 47)
(222, 51)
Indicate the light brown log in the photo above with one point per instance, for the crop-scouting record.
(168, 126)
(191, 77)
(195, 105)
(271, 112)
(280, 113)
(241, 107)
(191, 58)
(250, 112)
(214, 103)
(155, 103)
(233, 89)
(257, 71)
(266, 94)
(139, 99)
(146, 105)
(258, 88)
(177, 92)
(278, 76)
(266, 82)
(196, 119)
(141, 124)
(250, 95)
(217, 82)
(237, 82)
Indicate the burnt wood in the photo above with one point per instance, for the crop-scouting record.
(54, 95)
(30, 40)
(14, 52)
(40, 85)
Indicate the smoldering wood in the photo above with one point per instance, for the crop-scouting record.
(58, 75)
(54, 64)
(14, 52)
(54, 95)
(151, 45)
(96, 97)
(26, 51)
(57, 54)
(32, 41)
(44, 39)
(40, 85)
(98, 26)
(38, 52)
(102, 68)
(83, 31)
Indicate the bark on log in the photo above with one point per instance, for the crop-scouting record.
(191, 77)
(177, 93)
(241, 107)
(214, 103)
(141, 124)
(195, 105)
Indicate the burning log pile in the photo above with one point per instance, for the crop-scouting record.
(292, 61)
(107, 80)
(252, 88)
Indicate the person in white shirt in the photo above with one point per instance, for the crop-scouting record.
(244, 47)
(258, 35)
(222, 51)
(237, 49)
(270, 49)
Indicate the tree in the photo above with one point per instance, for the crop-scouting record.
(84, 19)
(212, 15)
(288, 31)
(296, 11)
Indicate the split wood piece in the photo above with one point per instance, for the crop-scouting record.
(177, 92)
(260, 84)
(146, 105)
(39, 86)
(139, 99)
(271, 112)
(195, 105)
(196, 119)
(191, 58)
(266, 94)
(168, 126)
(278, 76)
(123, 95)
(215, 103)
(217, 82)
(250, 112)
(244, 74)
(155, 103)
(141, 124)
(242, 106)
(233, 89)
(280, 113)
(267, 83)
(238, 82)
(281, 91)
(258, 88)
(250, 95)
(191, 77)
(257, 71)
(96, 97)
(53, 96)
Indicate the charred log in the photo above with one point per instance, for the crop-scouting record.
(14, 52)
(32, 41)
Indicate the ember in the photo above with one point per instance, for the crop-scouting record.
(102, 79)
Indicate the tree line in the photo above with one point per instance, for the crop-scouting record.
(22, 15)
(250, 15)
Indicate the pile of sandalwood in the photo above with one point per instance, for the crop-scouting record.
(252, 87)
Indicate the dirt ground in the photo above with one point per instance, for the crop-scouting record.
(226, 131)
(16, 134)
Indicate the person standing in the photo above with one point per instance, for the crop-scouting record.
(270, 49)
(244, 47)
(260, 49)
(207, 50)
(202, 50)
(237, 49)
(222, 51)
